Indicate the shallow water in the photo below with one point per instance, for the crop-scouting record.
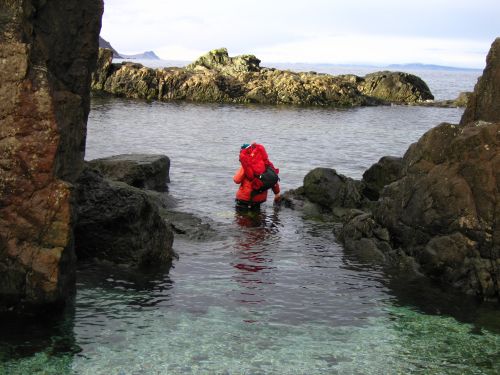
(271, 294)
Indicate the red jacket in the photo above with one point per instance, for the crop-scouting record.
(254, 161)
(245, 190)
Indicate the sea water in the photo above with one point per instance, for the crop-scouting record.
(270, 293)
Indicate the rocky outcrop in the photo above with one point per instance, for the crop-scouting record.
(396, 87)
(443, 211)
(439, 207)
(144, 171)
(48, 51)
(460, 101)
(119, 223)
(217, 77)
(219, 60)
(484, 103)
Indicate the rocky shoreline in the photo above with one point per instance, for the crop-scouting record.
(216, 77)
(434, 212)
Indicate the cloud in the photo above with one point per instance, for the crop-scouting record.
(378, 50)
(320, 30)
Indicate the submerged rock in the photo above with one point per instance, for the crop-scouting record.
(48, 51)
(119, 223)
(217, 77)
(144, 171)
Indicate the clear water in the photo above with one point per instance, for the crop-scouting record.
(272, 293)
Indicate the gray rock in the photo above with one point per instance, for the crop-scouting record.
(139, 170)
(329, 189)
(118, 223)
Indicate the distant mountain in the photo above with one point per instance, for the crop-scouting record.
(105, 44)
(148, 55)
(425, 67)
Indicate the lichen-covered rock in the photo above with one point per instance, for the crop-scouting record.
(484, 104)
(48, 52)
(216, 77)
(119, 223)
(144, 171)
(104, 63)
(396, 87)
(218, 59)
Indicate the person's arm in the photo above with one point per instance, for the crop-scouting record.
(238, 177)
(276, 191)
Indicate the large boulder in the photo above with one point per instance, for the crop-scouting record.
(396, 87)
(119, 223)
(144, 171)
(329, 189)
(48, 52)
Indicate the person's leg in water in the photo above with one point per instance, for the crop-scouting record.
(245, 206)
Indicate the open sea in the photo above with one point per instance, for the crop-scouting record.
(272, 293)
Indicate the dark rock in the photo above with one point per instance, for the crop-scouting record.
(365, 238)
(484, 103)
(396, 87)
(190, 226)
(48, 52)
(385, 171)
(450, 190)
(143, 171)
(329, 189)
(119, 223)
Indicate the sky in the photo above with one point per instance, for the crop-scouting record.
(375, 32)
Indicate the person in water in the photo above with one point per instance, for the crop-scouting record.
(254, 162)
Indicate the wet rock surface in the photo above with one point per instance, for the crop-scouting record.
(48, 52)
(139, 170)
(217, 77)
(119, 223)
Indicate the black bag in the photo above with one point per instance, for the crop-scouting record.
(269, 178)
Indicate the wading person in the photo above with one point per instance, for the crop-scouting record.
(256, 176)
